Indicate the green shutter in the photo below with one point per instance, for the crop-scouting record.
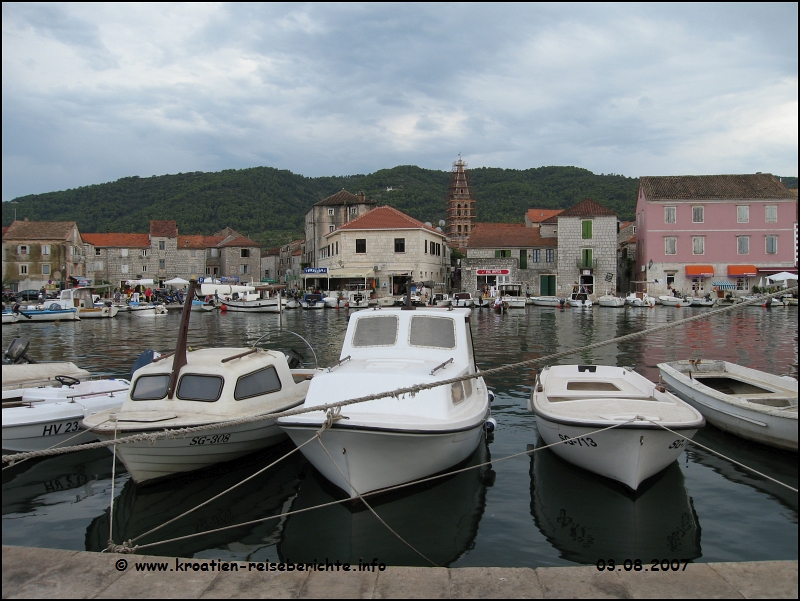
(523, 259)
(586, 230)
(497, 254)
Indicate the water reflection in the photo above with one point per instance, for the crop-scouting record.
(139, 508)
(588, 518)
(440, 519)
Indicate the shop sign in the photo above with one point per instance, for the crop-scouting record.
(493, 271)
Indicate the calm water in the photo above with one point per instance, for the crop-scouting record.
(528, 511)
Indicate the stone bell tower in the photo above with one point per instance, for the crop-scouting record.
(460, 206)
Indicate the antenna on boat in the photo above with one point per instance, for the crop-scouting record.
(183, 334)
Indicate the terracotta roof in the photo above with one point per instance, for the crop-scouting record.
(191, 242)
(624, 224)
(345, 198)
(272, 252)
(507, 235)
(118, 240)
(386, 218)
(163, 229)
(39, 230)
(539, 215)
(585, 208)
(297, 253)
(713, 187)
(238, 241)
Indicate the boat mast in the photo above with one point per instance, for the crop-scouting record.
(183, 334)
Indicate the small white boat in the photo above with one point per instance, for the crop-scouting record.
(609, 300)
(746, 402)
(51, 310)
(389, 441)
(312, 301)
(513, 295)
(143, 310)
(579, 299)
(10, 317)
(334, 301)
(702, 301)
(572, 401)
(674, 301)
(462, 299)
(357, 299)
(202, 387)
(640, 299)
(440, 299)
(265, 299)
(84, 300)
(45, 403)
(547, 301)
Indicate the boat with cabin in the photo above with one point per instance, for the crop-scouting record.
(389, 441)
(512, 295)
(572, 402)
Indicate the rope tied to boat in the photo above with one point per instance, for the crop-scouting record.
(333, 415)
(125, 547)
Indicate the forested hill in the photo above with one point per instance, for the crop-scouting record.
(268, 204)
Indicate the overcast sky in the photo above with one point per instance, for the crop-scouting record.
(95, 92)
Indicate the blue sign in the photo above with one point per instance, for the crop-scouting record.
(315, 270)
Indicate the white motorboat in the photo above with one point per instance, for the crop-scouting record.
(640, 299)
(148, 310)
(84, 300)
(312, 301)
(572, 401)
(335, 301)
(357, 299)
(462, 299)
(609, 300)
(439, 299)
(702, 301)
(389, 441)
(579, 299)
(513, 295)
(51, 310)
(45, 403)
(547, 301)
(746, 402)
(10, 317)
(202, 387)
(265, 299)
(669, 300)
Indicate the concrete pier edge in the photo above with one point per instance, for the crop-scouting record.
(53, 573)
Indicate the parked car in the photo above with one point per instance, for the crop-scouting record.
(28, 295)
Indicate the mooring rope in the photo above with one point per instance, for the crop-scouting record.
(412, 390)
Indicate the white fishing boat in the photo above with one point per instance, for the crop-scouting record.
(384, 442)
(84, 300)
(357, 299)
(51, 310)
(702, 301)
(513, 295)
(640, 299)
(579, 299)
(263, 299)
(147, 310)
(609, 300)
(669, 300)
(440, 299)
(573, 401)
(45, 403)
(335, 300)
(746, 402)
(202, 387)
(312, 301)
(547, 301)
(462, 299)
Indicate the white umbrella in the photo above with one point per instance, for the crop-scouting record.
(177, 282)
(782, 276)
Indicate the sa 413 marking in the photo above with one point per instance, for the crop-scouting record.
(54, 429)
(583, 441)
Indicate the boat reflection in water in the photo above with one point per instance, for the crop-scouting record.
(587, 517)
(439, 519)
(35, 484)
(139, 508)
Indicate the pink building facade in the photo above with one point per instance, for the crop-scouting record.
(701, 234)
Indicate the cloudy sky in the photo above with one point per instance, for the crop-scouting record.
(95, 92)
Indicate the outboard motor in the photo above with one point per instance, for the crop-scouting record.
(15, 353)
(146, 358)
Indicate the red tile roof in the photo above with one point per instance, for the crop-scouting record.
(345, 198)
(238, 241)
(118, 240)
(386, 218)
(539, 215)
(507, 235)
(708, 187)
(196, 242)
(39, 230)
(586, 208)
(163, 229)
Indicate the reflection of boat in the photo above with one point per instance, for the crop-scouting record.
(548, 301)
(26, 484)
(588, 518)
(202, 387)
(572, 401)
(746, 402)
(440, 519)
(140, 508)
(389, 441)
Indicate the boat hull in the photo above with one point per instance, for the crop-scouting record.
(270, 306)
(48, 315)
(363, 455)
(148, 462)
(627, 455)
(99, 312)
(547, 301)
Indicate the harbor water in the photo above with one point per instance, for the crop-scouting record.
(529, 511)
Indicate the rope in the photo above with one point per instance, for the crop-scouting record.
(412, 390)
(694, 442)
(111, 505)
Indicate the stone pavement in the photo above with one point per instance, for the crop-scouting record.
(51, 573)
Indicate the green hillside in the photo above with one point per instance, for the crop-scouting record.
(269, 204)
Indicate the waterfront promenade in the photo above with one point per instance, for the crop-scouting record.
(51, 573)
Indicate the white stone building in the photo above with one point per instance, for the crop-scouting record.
(328, 215)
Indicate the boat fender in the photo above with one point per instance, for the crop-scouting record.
(491, 397)
(146, 358)
(490, 424)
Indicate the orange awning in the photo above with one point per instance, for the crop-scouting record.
(700, 271)
(742, 270)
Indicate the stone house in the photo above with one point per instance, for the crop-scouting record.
(499, 253)
(698, 233)
(237, 256)
(269, 264)
(384, 249)
(289, 269)
(328, 215)
(40, 254)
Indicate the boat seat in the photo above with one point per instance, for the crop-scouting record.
(561, 399)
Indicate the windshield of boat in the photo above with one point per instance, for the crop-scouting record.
(376, 331)
(150, 388)
(432, 332)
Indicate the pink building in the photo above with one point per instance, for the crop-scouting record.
(705, 232)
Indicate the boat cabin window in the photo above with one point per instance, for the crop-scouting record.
(592, 386)
(196, 387)
(150, 388)
(432, 332)
(376, 331)
(262, 381)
